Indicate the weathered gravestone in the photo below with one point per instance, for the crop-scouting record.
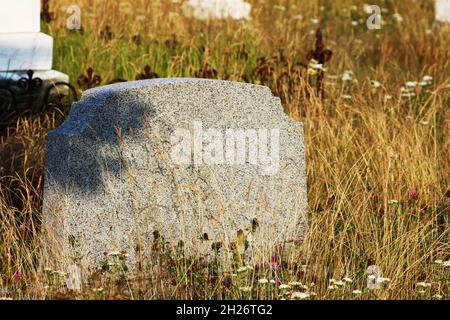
(192, 160)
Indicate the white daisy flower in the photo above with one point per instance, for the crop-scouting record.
(300, 295)
(348, 280)
(423, 284)
(383, 280)
(375, 84)
(397, 17)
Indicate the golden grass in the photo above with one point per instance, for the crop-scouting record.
(364, 155)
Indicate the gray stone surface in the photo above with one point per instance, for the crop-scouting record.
(112, 181)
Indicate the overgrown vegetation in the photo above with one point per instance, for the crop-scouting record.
(377, 146)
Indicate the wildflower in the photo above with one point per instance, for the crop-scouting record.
(413, 194)
(97, 289)
(348, 280)
(393, 201)
(339, 283)
(398, 17)
(300, 295)
(411, 84)
(284, 287)
(295, 284)
(346, 97)
(245, 289)
(383, 280)
(272, 281)
(423, 284)
(18, 275)
(354, 23)
(367, 8)
(314, 64)
(357, 292)
(438, 261)
(315, 21)
(446, 263)
(387, 97)
(331, 287)
(437, 297)
(408, 95)
(274, 264)
(427, 79)
(242, 269)
(347, 76)
(298, 17)
(375, 84)
(263, 281)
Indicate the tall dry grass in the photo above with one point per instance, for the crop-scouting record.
(378, 164)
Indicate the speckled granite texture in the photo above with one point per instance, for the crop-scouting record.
(111, 181)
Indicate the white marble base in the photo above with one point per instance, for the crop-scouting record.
(20, 16)
(443, 10)
(22, 51)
